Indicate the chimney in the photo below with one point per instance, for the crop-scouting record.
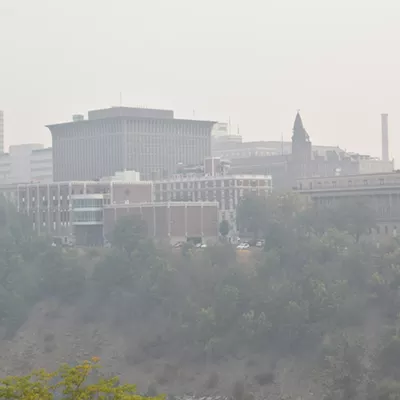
(1, 132)
(385, 137)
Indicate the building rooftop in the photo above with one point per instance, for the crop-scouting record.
(129, 113)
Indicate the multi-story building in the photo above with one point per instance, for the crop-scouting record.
(41, 165)
(18, 165)
(55, 207)
(85, 212)
(381, 192)
(149, 141)
(226, 190)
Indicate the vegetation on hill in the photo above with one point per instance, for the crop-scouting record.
(80, 382)
(312, 292)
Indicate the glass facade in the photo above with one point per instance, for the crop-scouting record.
(87, 203)
(90, 217)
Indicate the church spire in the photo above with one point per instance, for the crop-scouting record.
(299, 133)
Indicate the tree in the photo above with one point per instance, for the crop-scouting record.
(251, 215)
(354, 216)
(224, 228)
(67, 383)
(129, 232)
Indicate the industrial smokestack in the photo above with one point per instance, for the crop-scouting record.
(1, 132)
(385, 137)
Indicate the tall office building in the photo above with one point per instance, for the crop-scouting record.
(149, 141)
(1, 132)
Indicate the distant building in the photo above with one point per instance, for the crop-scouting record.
(149, 141)
(288, 161)
(380, 191)
(223, 138)
(85, 212)
(226, 190)
(25, 163)
(171, 221)
(41, 165)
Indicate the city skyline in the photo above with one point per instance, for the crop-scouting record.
(253, 63)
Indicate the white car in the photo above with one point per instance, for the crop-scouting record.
(203, 246)
(243, 246)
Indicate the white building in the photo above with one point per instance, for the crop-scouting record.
(26, 163)
(41, 165)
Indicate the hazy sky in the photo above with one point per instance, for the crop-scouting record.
(256, 61)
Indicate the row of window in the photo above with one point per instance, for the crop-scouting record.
(350, 183)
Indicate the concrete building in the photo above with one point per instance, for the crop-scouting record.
(75, 209)
(1, 132)
(227, 191)
(149, 141)
(223, 138)
(25, 163)
(84, 212)
(41, 165)
(379, 191)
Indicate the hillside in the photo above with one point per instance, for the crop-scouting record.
(313, 315)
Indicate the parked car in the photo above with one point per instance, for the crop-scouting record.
(243, 246)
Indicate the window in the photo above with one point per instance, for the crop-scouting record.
(365, 182)
(381, 181)
(334, 184)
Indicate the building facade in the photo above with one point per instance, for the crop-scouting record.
(172, 221)
(381, 192)
(85, 212)
(25, 163)
(41, 165)
(149, 141)
(52, 207)
(227, 191)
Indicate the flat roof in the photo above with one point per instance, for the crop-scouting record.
(93, 121)
(372, 174)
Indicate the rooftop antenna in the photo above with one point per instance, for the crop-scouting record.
(229, 125)
(282, 143)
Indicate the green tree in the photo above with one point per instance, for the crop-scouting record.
(353, 216)
(129, 232)
(252, 214)
(224, 228)
(79, 382)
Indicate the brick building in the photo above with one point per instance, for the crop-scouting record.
(226, 190)
(175, 221)
(84, 212)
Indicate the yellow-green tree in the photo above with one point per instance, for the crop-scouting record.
(72, 383)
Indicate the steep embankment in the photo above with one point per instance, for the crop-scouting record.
(54, 334)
